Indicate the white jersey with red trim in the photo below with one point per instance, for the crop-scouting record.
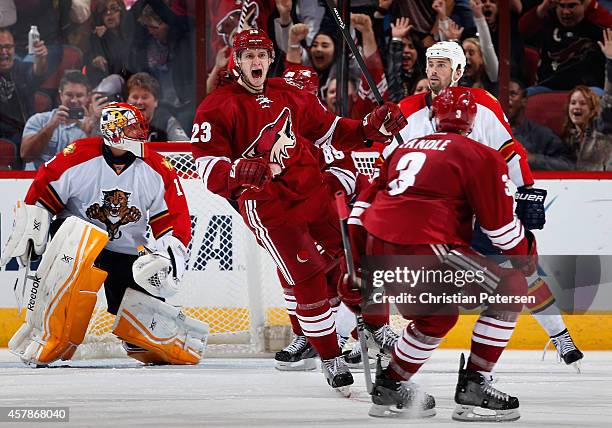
(491, 128)
(121, 195)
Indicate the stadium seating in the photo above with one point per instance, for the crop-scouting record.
(548, 109)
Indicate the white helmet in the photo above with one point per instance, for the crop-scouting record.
(451, 50)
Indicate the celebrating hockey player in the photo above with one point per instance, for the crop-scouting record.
(250, 141)
(445, 66)
(105, 193)
(429, 189)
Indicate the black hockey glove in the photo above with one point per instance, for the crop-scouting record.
(530, 207)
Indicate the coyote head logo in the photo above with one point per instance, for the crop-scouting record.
(274, 140)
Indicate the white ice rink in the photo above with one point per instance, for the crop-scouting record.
(250, 392)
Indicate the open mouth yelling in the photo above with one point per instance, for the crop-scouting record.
(256, 74)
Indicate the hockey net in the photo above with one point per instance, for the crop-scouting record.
(230, 282)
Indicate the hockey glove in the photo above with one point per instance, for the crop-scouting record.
(349, 290)
(530, 207)
(527, 264)
(253, 173)
(383, 122)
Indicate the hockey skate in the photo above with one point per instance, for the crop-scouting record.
(353, 357)
(381, 342)
(338, 375)
(392, 398)
(566, 349)
(478, 401)
(299, 355)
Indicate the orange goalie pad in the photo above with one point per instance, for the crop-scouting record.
(67, 316)
(156, 350)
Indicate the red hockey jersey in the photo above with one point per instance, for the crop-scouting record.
(430, 188)
(281, 124)
(123, 199)
(491, 128)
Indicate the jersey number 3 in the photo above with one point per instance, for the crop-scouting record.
(408, 167)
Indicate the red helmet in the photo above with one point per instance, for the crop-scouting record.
(454, 110)
(304, 76)
(252, 39)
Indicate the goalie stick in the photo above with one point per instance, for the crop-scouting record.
(350, 268)
(362, 66)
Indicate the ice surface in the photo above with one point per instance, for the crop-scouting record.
(250, 392)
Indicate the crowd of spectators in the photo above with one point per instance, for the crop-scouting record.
(144, 52)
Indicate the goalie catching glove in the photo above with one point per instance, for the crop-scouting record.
(160, 272)
(30, 233)
(530, 207)
(383, 122)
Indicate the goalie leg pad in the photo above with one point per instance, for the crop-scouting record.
(164, 331)
(62, 294)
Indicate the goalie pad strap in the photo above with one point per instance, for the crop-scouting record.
(162, 329)
(62, 294)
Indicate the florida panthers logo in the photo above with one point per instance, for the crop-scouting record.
(114, 212)
(274, 140)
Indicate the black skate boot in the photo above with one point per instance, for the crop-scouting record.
(392, 398)
(299, 355)
(338, 375)
(567, 350)
(353, 357)
(478, 401)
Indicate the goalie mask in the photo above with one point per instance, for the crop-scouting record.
(124, 127)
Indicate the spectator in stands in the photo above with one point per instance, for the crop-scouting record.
(588, 126)
(485, 12)
(480, 68)
(290, 12)
(331, 93)
(404, 61)
(545, 149)
(566, 32)
(163, 46)
(321, 54)
(18, 82)
(143, 92)
(110, 43)
(421, 86)
(48, 133)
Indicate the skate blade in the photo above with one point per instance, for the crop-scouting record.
(297, 366)
(384, 411)
(577, 365)
(465, 413)
(344, 391)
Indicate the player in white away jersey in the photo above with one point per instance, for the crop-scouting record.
(105, 194)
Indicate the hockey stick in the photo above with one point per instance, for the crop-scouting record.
(362, 65)
(350, 268)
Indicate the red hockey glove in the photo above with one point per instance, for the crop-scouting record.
(348, 295)
(254, 173)
(383, 122)
(527, 264)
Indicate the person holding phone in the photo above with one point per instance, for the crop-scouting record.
(47, 133)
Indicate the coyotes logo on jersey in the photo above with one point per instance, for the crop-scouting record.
(228, 24)
(114, 212)
(274, 140)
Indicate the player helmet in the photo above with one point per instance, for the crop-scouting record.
(124, 127)
(451, 50)
(252, 39)
(304, 76)
(454, 110)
